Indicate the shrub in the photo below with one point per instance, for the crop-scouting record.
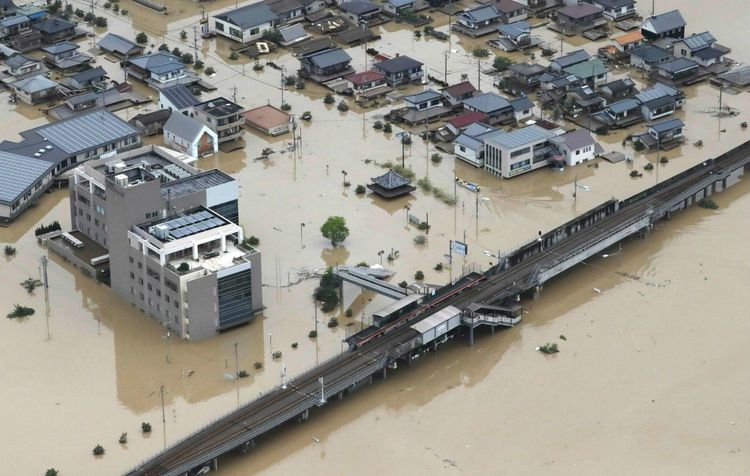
(124, 11)
(436, 158)
(439, 267)
(663, 160)
(183, 35)
(378, 125)
(330, 280)
(30, 284)
(290, 80)
(333, 322)
(562, 337)
(403, 284)
(419, 275)
(20, 312)
(648, 166)
(51, 472)
(164, 47)
(123, 438)
(183, 268)
(443, 196)
(10, 251)
(234, 56)
(635, 173)
(348, 312)
(79, 13)
(115, 8)
(343, 106)
(273, 35)
(98, 450)
(294, 345)
(89, 17)
(43, 229)
(481, 53)
(638, 146)
(601, 131)
(286, 106)
(312, 334)
(708, 203)
(425, 184)
(299, 84)
(210, 70)
(363, 264)
(107, 5)
(329, 99)
(198, 64)
(372, 51)
(243, 374)
(101, 22)
(387, 128)
(502, 63)
(420, 240)
(549, 348)
(276, 355)
(258, 365)
(141, 38)
(329, 297)
(253, 241)
(187, 58)
(177, 52)
(360, 190)
(403, 171)
(146, 427)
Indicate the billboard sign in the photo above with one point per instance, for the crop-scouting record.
(459, 248)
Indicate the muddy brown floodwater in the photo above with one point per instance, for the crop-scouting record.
(652, 378)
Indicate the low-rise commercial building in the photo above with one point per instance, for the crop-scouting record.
(22, 181)
(519, 151)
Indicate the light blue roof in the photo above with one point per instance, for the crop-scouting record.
(521, 137)
(400, 3)
(423, 96)
(516, 29)
(483, 13)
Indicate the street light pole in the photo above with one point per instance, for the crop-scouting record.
(407, 215)
(301, 227)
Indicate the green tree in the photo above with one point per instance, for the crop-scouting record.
(51, 472)
(141, 38)
(502, 63)
(335, 230)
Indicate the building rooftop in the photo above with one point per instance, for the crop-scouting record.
(508, 6)
(578, 139)
(665, 126)
(398, 64)
(481, 13)
(650, 53)
(158, 63)
(293, 33)
(180, 96)
(391, 180)
(184, 127)
(527, 69)
(468, 118)
(475, 135)
(615, 3)
(359, 7)
(149, 118)
(19, 174)
(328, 58)
(118, 44)
(709, 53)
(17, 60)
(521, 104)
(666, 21)
(697, 41)
(426, 95)
(574, 57)
(219, 107)
(61, 47)
(580, 10)
(86, 131)
(400, 3)
(521, 137)
(34, 84)
(53, 25)
(14, 20)
(624, 105)
(249, 16)
(194, 183)
(515, 29)
(460, 89)
(267, 117)
(487, 102)
(364, 77)
(627, 38)
(677, 65)
(90, 74)
(587, 69)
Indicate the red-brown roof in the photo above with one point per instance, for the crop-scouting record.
(460, 89)
(364, 77)
(266, 117)
(469, 118)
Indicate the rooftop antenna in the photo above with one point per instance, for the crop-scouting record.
(653, 7)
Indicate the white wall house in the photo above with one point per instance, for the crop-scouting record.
(244, 24)
(189, 136)
(578, 146)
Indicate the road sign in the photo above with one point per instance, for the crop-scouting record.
(459, 248)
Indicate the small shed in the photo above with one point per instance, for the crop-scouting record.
(391, 185)
(268, 119)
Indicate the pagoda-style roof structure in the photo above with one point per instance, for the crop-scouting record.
(391, 185)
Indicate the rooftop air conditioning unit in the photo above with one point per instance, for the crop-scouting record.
(121, 180)
(119, 167)
(161, 231)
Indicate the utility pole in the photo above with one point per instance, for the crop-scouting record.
(234, 94)
(195, 42)
(92, 8)
(575, 190)
(445, 68)
(479, 76)
(236, 362)
(46, 291)
(282, 86)
(163, 416)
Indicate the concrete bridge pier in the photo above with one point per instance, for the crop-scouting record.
(471, 336)
(385, 373)
(537, 292)
(247, 446)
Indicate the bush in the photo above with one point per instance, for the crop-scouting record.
(141, 38)
(294, 345)
(439, 267)
(635, 173)
(378, 125)
(419, 275)
(403, 284)
(330, 280)
(177, 52)
(115, 8)
(101, 22)
(258, 365)
(198, 64)
(146, 427)
(481, 53)
(708, 203)
(164, 47)
(663, 160)
(443, 196)
(312, 334)
(210, 70)
(502, 63)
(360, 190)
(601, 131)
(387, 128)
(276, 355)
(329, 297)
(183, 268)
(348, 312)
(79, 13)
(51, 472)
(107, 5)
(243, 374)
(286, 107)
(123, 438)
(299, 84)
(30, 284)
(638, 146)
(234, 56)
(187, 58)
(403, 171)
(549, 348)
(343, 106)
(10, 251)
(124, 11)
(253, 241)
(183, 35)
(424, 184)
(648, 166)
(20, 312)
(289, 80)
(44, 229)
(436, 158)
(258, 67)
(562, 337)
(98, 450)
(273, 35)
(372, 51)
(333, 322)
(329, 99)
(420, 240)
(89, 17)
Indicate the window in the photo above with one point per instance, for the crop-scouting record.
(219, 26)
(140, 265)
(255, 31)
(518, 152)
(130, 258)
(140, 280)
(150, 288)
(158, 292)
(166, 297)
(132, 276)
(578, 152)
(235, 32)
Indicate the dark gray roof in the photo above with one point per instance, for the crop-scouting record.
(149, 118)
(619, 85)
(580, 10)
(667, 21)
(658, 102)
(521, 104)
(676, 65)
(81, 98)
(280, 7)
(219, 107)
(614, 3)
(180, 96)
(521, 137)
(90, 74)
(194, 183)
(327, 58)
(508, 6)
(427, 95)
(667, 125)
(249, 16)
(53, 25)
(19, 174)
(19, 60)
(293, 32)
(358, 7)
(578, 139)
(14, 20)
(184, 127)
(709, 53)
(483, 13)
(487, 102)
(118, 44)
(527, 69)
(398, 64)
(574, 57)
(624, 105)
(86, 131)
(699, 40)
(650, 53)
(515, 29)
(61, 47)
(391, 180)
(161, 62)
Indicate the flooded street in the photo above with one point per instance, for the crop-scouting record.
(652, 376)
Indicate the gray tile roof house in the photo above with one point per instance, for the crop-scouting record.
(61, 47)
(177, 97)
(158, 63)
(664, 126)
(359, 7)
(427, 95)
(88, 77)
(184, 126)
(669, 24)
(17, 182)
(488, 103)
(481, 14)
(391, 185)
(249, 16)
(398, 64)
(18, 60)
(119, 45)
(570, 59)
(579, 139)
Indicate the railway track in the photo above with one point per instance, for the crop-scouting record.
(373, 350)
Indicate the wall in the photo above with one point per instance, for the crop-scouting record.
(201, 311)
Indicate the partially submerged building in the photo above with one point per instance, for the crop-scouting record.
(469, 146)
(119, 46)
(246, 23)
(22, 181)
(269, 120)
(665, 25)
(391, 185)
(189, 136)
(519, 151)
(325, 65)
(222, 116)
(400, 70)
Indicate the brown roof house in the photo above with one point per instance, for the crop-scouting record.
(268, 119)
(391, 185)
